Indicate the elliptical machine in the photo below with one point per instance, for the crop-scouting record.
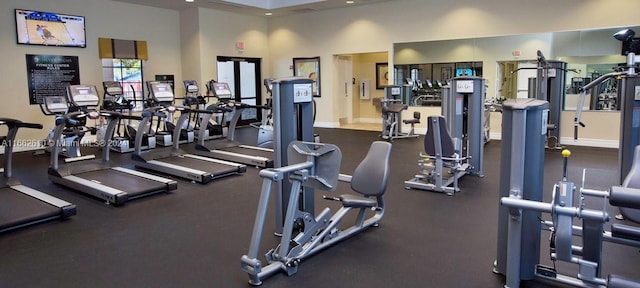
(114, 100)
(161, 95)
(193, 99)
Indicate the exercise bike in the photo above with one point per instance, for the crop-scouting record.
(71, 137)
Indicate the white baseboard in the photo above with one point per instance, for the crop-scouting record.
(590, 142)
(368, 120)
(601, 143)
(326, 124)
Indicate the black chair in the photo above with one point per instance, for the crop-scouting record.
(413, 122)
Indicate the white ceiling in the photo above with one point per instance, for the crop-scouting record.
(255, 7)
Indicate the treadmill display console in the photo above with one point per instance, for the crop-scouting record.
(55, 104)
(161, 92)
(222, 90)
(83, 95)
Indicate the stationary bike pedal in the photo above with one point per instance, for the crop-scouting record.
(546, 271)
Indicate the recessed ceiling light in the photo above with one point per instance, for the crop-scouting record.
(350, 2)
(268, 13)
(189, 1)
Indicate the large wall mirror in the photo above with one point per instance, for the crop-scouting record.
(508, 62)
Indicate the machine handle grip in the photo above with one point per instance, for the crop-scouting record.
(132, 117)
(71, 118)
(110, 114)
(19, 124)
(30, 125)
(202, 111)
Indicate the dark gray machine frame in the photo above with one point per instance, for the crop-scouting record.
(291, 96)
(98, 178)
(463, 108)
(22, 205)
(550, 87)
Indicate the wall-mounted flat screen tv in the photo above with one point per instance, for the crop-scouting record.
(49, 29)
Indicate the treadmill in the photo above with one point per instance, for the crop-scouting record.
(20, 205)
(228, 149)
(97, 177)
(172, 160)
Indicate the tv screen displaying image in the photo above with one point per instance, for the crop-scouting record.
(464, 72)
(49, 29)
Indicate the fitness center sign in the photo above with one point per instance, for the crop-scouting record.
(49, 75)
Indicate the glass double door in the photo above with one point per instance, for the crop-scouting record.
(243, 77)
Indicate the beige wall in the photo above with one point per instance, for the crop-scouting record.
(218, 33)
(374, 28)
(364, 67)
(159, 27)
(186, 43)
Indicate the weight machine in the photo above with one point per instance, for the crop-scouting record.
(392, 108)
(454, 143)
(309, 165)
(550, 87)
(629, 106)
(317, 166)
(520, 222)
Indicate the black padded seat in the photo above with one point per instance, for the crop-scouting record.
(411, 121)
(625, 231)
(615, 281)
(415, 120)
(349, 200)
(446, 142)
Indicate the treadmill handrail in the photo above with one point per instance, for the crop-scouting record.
(13, 125)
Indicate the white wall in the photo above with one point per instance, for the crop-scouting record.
(159, 27)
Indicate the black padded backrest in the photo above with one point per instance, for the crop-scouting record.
(632, 179)
(372, 174)
(438, 123)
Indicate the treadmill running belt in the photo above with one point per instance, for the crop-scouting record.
(215, 169)
(133, 185)
(18, 209)
(250, 152)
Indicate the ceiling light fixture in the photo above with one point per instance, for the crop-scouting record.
(189, 1)
(268, 14)
(350, 2)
